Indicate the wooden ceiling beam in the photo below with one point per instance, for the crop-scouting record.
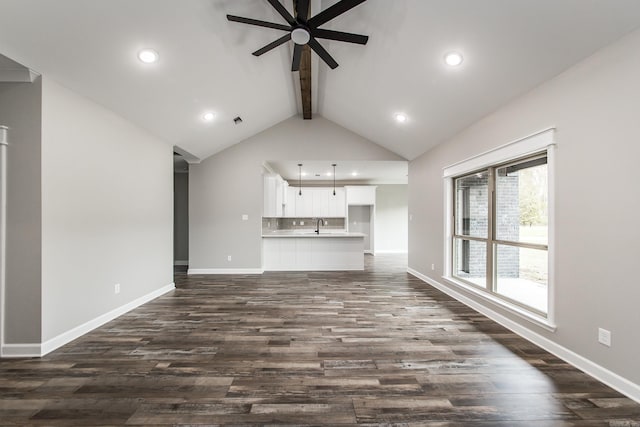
(305, 74)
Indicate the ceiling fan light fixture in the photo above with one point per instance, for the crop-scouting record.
(148, 56)
(300, 36)
(453, 59)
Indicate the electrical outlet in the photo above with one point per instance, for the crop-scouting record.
(294, 223)
(245, 217)
(116, 288)
(604, 337)
(228, 257)
(326, 222)
(433, 267)
(301, 222)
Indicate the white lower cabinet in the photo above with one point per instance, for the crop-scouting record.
(313, 254)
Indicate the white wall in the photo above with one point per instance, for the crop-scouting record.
(595, 107)
(229, 184)
(391, 224)
(360, 222)
(107, 211)
(20, 109)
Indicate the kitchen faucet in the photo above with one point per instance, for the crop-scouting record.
(318, 225)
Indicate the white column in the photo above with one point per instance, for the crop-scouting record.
(3, 228)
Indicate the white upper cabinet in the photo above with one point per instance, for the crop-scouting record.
(269, 189)
(320, 201)
(283, 200)
(361, 194)
(337, 203)
(274, 188)
(290, 205)
(304, 203)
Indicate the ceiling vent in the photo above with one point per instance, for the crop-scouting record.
(237, 120)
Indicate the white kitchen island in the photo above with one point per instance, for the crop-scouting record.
(307, 251)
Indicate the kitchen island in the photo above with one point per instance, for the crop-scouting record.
(306, 250)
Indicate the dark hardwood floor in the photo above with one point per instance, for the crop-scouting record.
(377, 348)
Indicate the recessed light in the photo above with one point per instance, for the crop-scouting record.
(304, 174)
(453, 59)
(354, 173)
(328, 174)
(401, 117)
(148, 56)
(207, 117)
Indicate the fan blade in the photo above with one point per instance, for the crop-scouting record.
(302, 10)
(322, 53)
(297, 54)
(340, 36)
(335, 10)
(267, 48)
(258, 23)
(283, 12)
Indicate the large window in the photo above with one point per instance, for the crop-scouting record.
(500, 231)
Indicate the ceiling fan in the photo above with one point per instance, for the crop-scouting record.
(304, 31)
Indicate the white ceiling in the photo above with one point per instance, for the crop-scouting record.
(369, 172)
(510, 46)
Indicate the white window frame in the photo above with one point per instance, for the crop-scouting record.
(538, 142)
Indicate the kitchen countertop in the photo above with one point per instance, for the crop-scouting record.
(311, 233)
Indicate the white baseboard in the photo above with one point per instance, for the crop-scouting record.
(225, 271)
(39, 350)
(178, 262)
(613, 380)
(21, 350)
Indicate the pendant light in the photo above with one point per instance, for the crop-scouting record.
(334, 178)
(299, 179)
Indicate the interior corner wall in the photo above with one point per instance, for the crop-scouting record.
(391, 224)
(180, 217)
(107, 211)
(20, 110)
(594, 106)
(229, 184)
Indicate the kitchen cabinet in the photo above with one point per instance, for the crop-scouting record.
(361, 194)
(337, 203)
(273, 189)
(283, 200)
(319, 202)
(290, 205)
(304, 203)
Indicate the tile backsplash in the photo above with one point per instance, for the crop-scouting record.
(273, 224)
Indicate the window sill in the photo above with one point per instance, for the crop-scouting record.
(512, 308)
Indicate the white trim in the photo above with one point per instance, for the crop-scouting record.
(21, 350)
(369, 252)
(225, 271)
(512, 150)
(613, 380)
(181, 262)
(38, 350)
(513, 308)
(551, 233)
(3, 230)
(400, 251)
(535, 143)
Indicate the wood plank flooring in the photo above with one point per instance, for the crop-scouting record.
(372, 348)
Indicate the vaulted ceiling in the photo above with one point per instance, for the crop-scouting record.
(509, 47)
